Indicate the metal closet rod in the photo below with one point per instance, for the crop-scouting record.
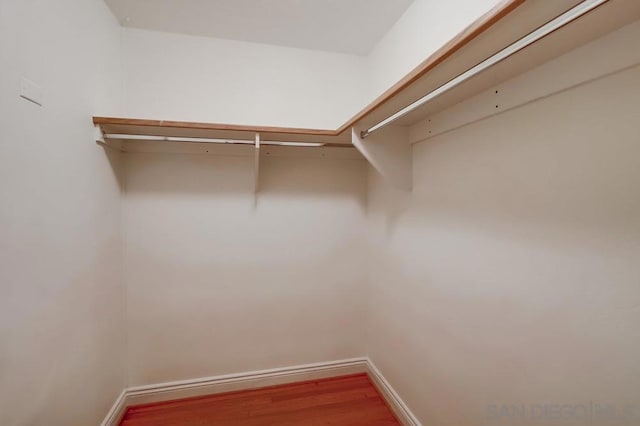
(210, 140)
(551, 26)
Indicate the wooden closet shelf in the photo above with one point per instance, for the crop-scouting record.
(506, 23)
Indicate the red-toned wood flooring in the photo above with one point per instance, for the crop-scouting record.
(346, 400)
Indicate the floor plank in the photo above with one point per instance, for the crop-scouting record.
(346, 401)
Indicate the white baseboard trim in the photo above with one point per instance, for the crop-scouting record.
(396, 403)
(255, 379)
(117, 411)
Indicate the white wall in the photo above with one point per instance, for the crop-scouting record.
(219, 285)
(509, 275)
(181, 77)
(193, 260)
(62, 300)
(425, 27)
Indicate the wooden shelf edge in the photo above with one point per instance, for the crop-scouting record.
(100, 121)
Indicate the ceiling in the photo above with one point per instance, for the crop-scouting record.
(346, 26)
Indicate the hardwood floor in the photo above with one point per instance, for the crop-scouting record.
(347, 400)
